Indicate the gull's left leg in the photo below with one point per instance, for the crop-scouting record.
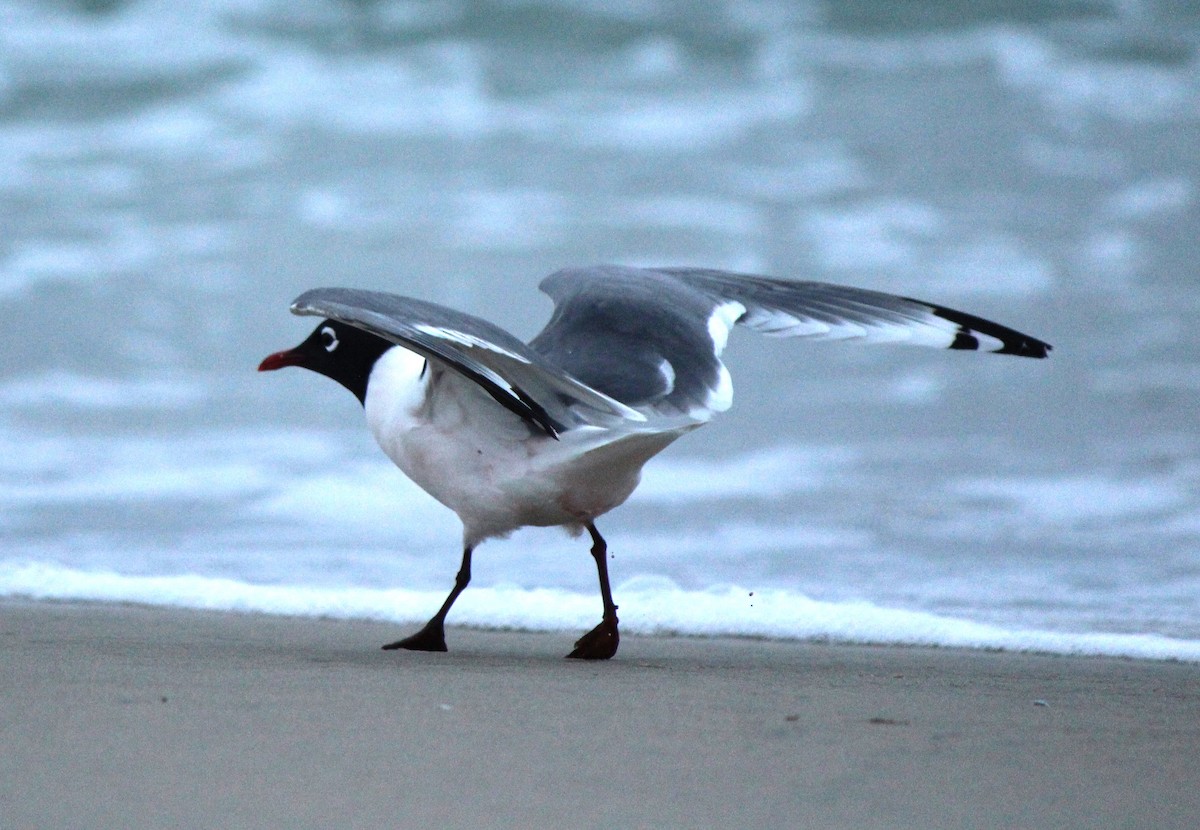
(601, 642)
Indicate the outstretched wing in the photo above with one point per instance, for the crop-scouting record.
(782, 308)
(512, 373)
(652, 338)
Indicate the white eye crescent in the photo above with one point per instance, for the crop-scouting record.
(329, 339)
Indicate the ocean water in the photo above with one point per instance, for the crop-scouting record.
(172, 175)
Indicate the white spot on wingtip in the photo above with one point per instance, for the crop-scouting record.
(987, 343)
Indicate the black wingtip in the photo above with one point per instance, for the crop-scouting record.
(1012, 342)
(1029, 348)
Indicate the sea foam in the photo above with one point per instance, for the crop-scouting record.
(649, 605)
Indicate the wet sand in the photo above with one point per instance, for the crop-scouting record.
(132, 717)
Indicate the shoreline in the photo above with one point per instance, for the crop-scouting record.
(770, 615)
(137, 716)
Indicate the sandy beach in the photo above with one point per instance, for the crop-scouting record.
(135, 717)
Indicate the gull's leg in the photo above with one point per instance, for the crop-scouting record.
(433, 636)
(601, 642)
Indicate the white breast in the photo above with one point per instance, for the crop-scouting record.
(486, 463)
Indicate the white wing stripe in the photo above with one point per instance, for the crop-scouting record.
(929, 330)
(723, 318)
(464, 339)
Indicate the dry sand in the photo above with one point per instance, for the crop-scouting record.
(131, 717)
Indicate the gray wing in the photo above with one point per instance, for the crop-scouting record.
(652, 338)
(640, 336)
(512, 373)
(783, 308)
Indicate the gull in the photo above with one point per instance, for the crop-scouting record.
(554, 432)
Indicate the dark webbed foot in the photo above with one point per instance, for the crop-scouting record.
(600, 643)
(430, 638)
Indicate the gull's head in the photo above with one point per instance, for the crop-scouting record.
(336, 350)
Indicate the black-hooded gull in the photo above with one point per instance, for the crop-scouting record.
(555, 432)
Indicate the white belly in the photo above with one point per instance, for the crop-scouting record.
(485, 463)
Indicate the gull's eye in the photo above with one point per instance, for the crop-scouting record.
(329, 339)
